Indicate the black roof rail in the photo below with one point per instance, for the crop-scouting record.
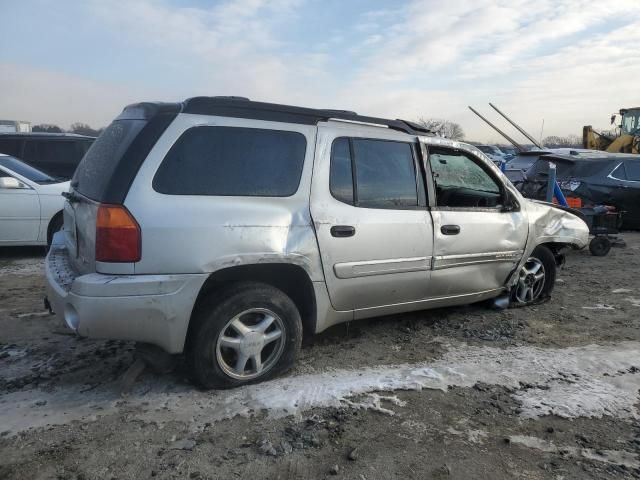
(416, 126)
(242, 107)
(340, 112)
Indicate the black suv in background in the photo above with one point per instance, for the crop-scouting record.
(56, 154)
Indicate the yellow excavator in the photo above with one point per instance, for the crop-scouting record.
(624, 139)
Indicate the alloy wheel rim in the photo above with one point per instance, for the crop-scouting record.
(531, 279)
(250, 344)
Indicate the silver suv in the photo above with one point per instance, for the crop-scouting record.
(224, 228)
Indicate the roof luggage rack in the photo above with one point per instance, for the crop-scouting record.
(242, 107)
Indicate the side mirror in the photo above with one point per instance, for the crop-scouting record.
(11, 183)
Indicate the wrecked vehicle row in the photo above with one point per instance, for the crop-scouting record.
(223, 229)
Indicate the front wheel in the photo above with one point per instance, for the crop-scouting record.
(536, 277)
(249, 333)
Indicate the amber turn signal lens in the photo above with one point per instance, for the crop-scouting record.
(118, 236)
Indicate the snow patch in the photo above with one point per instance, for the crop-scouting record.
(600, 306)
(622, 290)
(589, 381)
(635, 302)
(612, 457)
(28, 266)
(33, 314)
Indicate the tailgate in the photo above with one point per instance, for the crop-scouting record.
(80, 232)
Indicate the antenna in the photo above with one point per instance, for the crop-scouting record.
(521, 130)
(509, 139)
(541, 130)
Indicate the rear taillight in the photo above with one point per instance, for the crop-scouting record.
(118, 237)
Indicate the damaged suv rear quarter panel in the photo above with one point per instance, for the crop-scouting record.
(209, 233)
(222, 231)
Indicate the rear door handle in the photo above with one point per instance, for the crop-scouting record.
(450, 229)
(341, 231)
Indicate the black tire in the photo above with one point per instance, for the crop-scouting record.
(546, 257)
(55, 225)
(211, 321)
(599, 246)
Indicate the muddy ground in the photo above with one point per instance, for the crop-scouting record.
(549, 391)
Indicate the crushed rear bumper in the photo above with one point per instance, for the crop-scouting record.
(145, 308)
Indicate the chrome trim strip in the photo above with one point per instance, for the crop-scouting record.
(381, 267)
(357, 122)
(450, 261)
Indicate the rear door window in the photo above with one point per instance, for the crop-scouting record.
(373, 173)
(233, 161)
(385, 174)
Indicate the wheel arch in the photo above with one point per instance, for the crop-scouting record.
(558, 249)
(57, 216)
(291, 279)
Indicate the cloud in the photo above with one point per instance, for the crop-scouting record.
(43, 96)
(570, 62)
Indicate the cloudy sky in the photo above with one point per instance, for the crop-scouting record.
(569, 62)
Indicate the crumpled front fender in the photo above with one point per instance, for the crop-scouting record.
(550, 224)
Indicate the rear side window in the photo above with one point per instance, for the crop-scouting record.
(385, 173)
(233, 161)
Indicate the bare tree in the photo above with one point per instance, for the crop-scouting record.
(47, 127)
(443, 128)
(83, 129)
(570, 141)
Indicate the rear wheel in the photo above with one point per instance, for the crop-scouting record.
(249, 333)
(536, 277)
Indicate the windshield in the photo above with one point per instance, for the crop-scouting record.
(631, 122)
(26, 171)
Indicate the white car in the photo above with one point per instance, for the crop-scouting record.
(31, 203)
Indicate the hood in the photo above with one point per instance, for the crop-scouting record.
(53, 188)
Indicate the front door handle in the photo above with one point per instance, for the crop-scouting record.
(450, 229)
(341, 231)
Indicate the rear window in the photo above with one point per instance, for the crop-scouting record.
(100, 162)
(233, 161)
